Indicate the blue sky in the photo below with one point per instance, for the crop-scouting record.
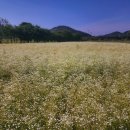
(93, 16)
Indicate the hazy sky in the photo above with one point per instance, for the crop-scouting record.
(92, 16)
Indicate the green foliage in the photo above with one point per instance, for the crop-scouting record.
(26, 32)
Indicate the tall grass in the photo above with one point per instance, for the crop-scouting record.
(65, 86)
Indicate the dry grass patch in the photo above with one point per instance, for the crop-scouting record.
(65, 86)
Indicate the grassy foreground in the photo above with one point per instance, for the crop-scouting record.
(65, 86)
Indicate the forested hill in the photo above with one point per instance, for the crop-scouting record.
(65, 29)
(117, 36)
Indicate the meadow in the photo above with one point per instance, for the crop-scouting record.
(65, 86)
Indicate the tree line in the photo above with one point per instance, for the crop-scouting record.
(27, 32)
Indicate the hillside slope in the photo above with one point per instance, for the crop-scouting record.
(70, 33)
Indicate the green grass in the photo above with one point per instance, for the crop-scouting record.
(68, 86)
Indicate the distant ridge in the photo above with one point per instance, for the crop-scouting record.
(118, 34)
(127, 33)
(113, 34)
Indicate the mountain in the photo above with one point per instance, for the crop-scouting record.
(127, 33)
(61, 29)
(118, 35)
(65, 31)
(114, 34)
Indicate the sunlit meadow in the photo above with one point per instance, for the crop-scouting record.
(65, 86)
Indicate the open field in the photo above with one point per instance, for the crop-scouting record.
(65, 86)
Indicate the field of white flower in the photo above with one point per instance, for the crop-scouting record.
(65, 86)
